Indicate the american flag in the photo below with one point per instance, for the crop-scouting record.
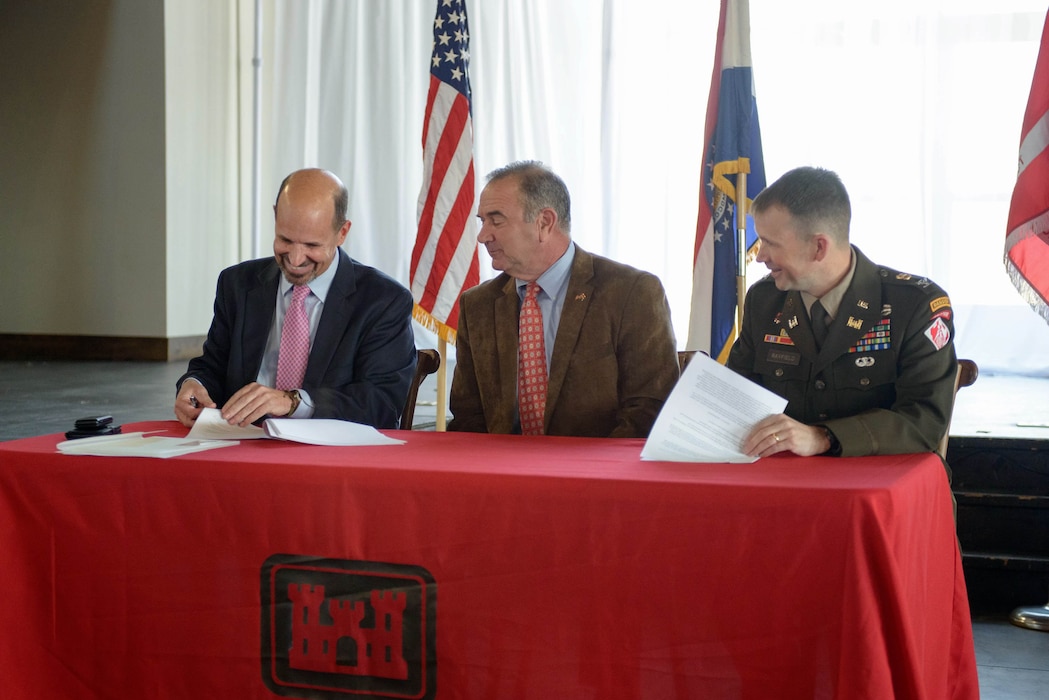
(444, 259)
(1027, 240)
(732, 145)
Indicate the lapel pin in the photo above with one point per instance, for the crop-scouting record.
(581, 296)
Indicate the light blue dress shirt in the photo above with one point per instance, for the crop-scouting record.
(314, 306)
(554, 285)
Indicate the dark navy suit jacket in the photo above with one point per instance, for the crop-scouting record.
(363, 356)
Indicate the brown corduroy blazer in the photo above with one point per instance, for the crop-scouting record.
(613, 365)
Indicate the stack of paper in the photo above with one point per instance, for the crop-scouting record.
(138, 445)
(708, 414)
(315, 431)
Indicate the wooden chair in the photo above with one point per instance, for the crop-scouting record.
(966, 376)
(429, 361)
(683, 357)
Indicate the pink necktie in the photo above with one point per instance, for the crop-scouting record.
(294, 341)
(531, 365)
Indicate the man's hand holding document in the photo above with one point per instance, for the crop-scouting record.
(707, 415)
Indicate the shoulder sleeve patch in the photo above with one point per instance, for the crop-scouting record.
(938, 333)
(939, 303)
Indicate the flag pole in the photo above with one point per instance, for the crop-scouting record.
(442, 384)
(1032, 618)
(444, 259)
(741, 247)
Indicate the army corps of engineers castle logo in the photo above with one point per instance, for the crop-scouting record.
(333, 628)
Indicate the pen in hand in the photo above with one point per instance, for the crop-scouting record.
(193, 402)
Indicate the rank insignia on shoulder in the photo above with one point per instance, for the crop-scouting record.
(938, 333)
(939, 303)
(902, 276)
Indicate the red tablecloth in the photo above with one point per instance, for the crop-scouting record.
(510, 567)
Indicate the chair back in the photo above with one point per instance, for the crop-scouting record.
(429, 361)
(683, 358)
(965, 376)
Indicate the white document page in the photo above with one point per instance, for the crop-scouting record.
(138, 445)
(313, 431)
(211, 425)
(707, 415)
(326, 431)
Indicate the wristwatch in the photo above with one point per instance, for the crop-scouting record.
(835, 446)
(294, 397)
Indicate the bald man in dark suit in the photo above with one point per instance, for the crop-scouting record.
(361, 344)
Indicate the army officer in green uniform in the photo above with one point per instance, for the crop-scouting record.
(863, 354)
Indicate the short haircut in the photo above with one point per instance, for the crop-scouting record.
(540, 189)
(340, 199)
(815, 198)
(342, 202)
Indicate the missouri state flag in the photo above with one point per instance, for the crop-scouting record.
(732, 145)
(1027, 237)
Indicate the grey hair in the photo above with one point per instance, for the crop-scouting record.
(540, 189)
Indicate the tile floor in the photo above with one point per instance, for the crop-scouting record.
(38, 398)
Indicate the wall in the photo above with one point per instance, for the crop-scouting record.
(118, 167)
(201, 108)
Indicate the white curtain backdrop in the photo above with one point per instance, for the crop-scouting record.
(917, 104)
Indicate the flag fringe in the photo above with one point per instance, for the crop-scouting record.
(427, 321)
(1028, 292)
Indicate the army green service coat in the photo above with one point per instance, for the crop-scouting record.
(883, 382)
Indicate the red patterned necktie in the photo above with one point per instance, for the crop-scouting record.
(531, 364)
(294, 341)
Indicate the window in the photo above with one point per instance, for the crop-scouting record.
(917, 104)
